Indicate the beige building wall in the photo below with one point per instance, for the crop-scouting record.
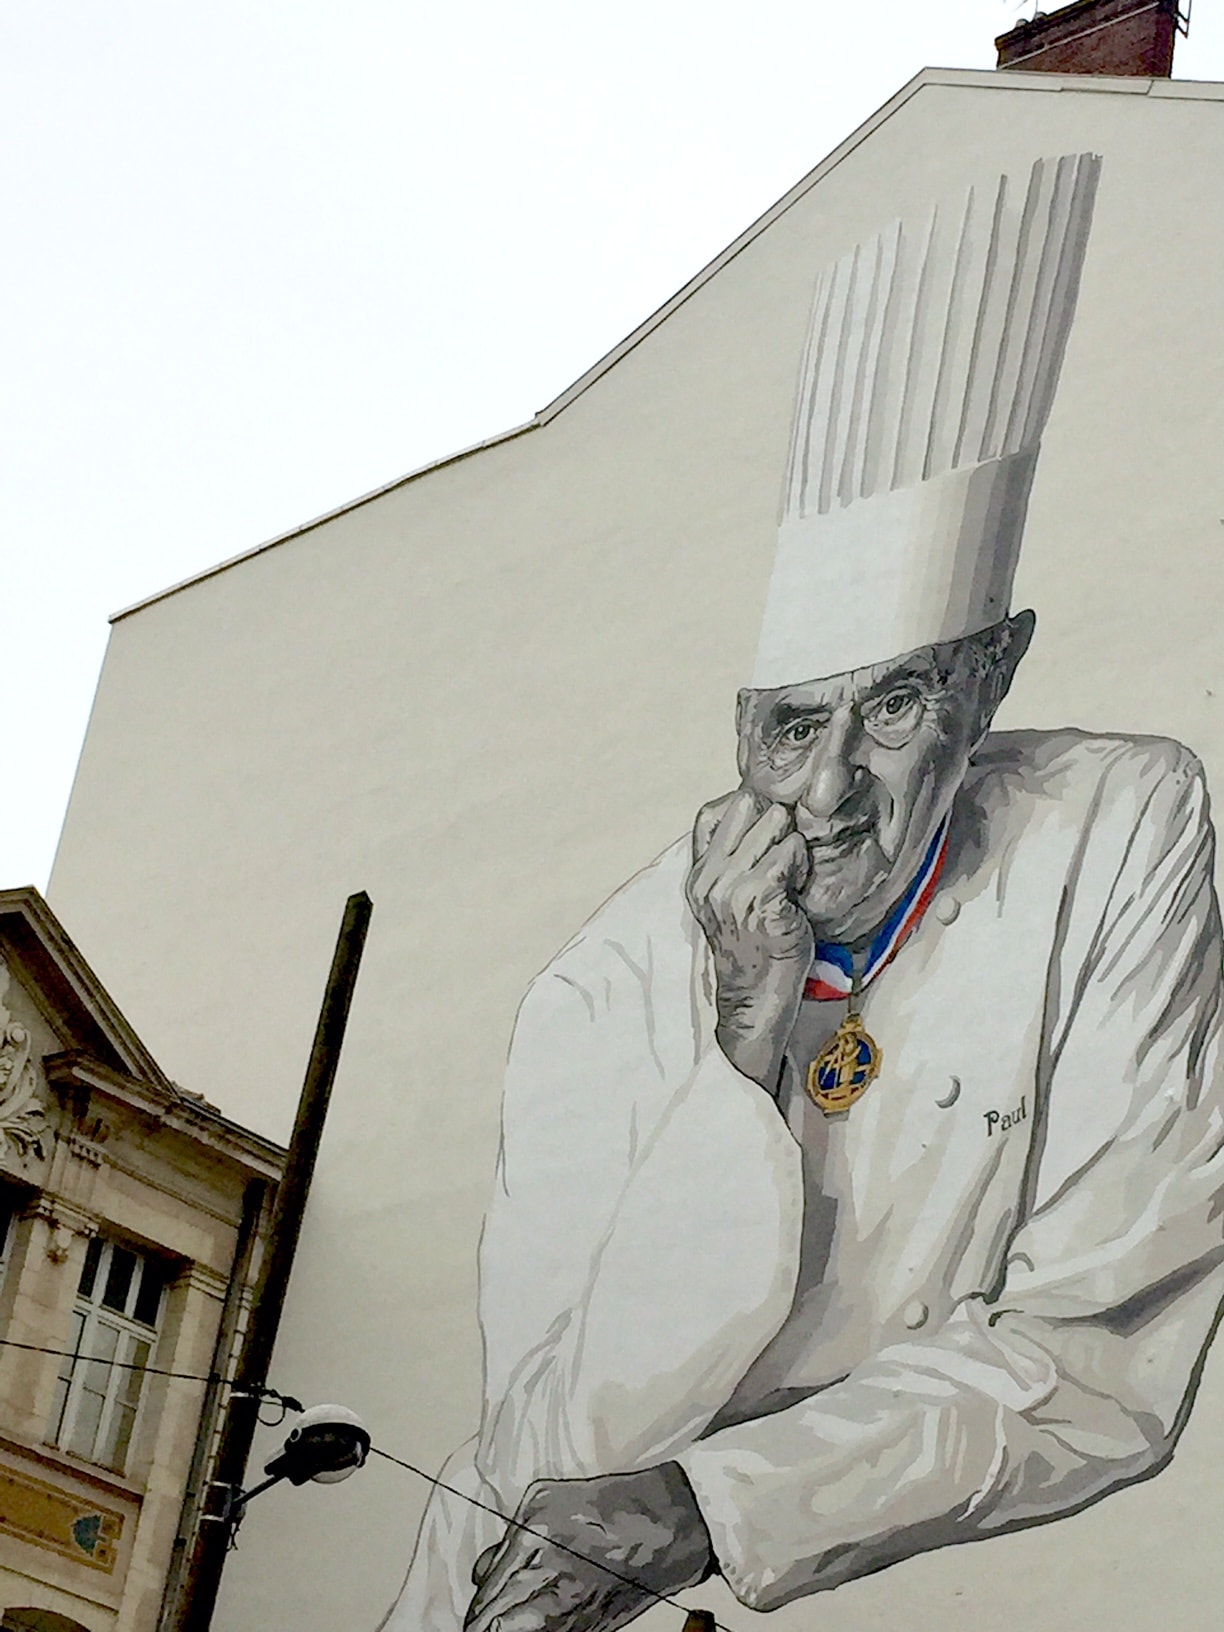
(492, 692)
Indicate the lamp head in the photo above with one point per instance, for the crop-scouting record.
(326, 1444)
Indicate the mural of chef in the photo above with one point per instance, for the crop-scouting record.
(861, 1187)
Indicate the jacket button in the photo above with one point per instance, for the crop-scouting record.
(946, 1101)
(947, 907)
(915, 1314)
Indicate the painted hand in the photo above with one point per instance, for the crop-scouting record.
(749, 865)
(645, 1527)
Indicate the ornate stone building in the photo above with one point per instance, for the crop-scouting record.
(130, 1217)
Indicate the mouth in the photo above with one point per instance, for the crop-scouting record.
(835, 845)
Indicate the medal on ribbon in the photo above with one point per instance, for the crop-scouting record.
(845, 1068)
(850, 1061)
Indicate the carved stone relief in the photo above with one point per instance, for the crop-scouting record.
(23, 1119)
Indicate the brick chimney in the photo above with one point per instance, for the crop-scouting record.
(1097, 37)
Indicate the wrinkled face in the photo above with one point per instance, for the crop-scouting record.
(869, 762)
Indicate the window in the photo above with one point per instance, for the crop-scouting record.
(114, 1328)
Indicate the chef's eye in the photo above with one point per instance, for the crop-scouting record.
(798, 734)
(894, 718)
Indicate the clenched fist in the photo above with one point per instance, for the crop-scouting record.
(589, 1555)
(749, 865)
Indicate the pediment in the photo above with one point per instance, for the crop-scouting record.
(43, 962)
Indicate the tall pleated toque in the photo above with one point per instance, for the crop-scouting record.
(932, 358)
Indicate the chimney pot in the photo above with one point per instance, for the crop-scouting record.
(1128, 37)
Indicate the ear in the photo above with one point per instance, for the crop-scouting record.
(1017, 633)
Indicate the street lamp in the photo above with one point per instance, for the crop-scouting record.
(326, 1445)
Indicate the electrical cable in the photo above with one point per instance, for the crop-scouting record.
(540, 1535)
(285, 1407)
(117, 1365)
(287, 1402)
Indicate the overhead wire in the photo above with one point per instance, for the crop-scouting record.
(117, 1365)
(286, 1401)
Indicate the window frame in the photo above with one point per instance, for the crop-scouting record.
(90, 1383)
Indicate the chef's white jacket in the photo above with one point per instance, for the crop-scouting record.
(1023, 1219)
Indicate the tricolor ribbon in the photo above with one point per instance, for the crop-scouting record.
(832, 968)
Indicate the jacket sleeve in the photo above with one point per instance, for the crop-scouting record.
(614, 1116)
(1072, 1376)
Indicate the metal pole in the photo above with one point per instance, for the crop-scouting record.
(253, 1201)
(251, 1374)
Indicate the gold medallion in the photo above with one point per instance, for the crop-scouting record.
(845, 1068)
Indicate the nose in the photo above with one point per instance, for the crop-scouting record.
(832, 776)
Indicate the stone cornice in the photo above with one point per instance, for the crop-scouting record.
(170, 1107)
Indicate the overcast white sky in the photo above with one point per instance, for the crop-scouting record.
(263, 256)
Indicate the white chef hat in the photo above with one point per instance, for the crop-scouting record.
(932, 358)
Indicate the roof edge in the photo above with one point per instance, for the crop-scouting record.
(1011, 79)
(328, 515)
(994, 78)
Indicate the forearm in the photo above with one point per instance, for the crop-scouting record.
(930, 1443)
